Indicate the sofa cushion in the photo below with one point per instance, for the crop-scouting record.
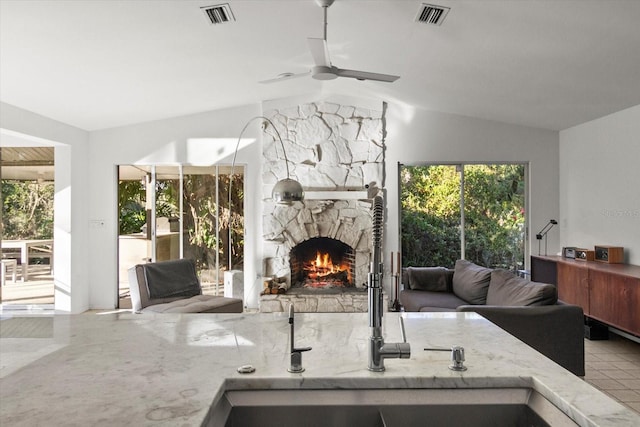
(429, 301)
(172, 279)
(428, 278)
(507, 289)
(471, 282)
(199, 304)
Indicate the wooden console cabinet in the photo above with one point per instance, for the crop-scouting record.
(609, 293)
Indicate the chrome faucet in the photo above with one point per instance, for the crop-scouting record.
(295, 353)
(378, 350)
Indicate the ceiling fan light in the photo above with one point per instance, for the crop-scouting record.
(286, 191)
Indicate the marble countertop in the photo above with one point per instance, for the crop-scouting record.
(168, 369)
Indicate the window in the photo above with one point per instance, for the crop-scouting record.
(463, 211)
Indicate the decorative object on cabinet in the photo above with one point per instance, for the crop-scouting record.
(543, 233)
(569, 252)
(609, 254)
(584, 254)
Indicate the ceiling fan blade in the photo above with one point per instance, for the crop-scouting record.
(319, 51)
(285, 76)
(365, 75)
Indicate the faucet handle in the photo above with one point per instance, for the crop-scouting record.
(296, 360)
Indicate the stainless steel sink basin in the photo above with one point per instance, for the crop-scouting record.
(386, 408)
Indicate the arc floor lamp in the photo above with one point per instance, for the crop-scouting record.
(285, 192)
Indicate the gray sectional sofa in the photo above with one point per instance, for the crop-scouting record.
(528, 310)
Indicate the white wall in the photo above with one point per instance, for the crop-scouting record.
(424, 136)
(200, 140)
(71, 258)
(600, 183)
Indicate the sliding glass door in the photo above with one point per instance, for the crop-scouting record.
(27, 193)
(463, 211)
(173, 212)
(213, 231)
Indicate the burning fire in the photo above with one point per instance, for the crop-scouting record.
(322, 267)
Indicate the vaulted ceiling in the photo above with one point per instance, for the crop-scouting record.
(99, 64)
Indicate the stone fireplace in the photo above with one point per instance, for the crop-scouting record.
(321, 247)
(340, 227)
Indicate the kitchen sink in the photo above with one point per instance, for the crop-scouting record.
(386, 408)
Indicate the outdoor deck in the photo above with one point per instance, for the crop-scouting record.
(37, 290)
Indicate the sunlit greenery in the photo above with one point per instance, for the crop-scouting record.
(494, 215)
(131, 196)
(27, 210)
(199, 217)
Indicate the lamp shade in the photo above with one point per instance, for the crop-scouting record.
(287, 191)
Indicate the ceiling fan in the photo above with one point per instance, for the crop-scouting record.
(324, 70)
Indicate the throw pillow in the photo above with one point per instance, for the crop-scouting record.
(507, 289)
(471, 282)
(427, 278)
(172, 279)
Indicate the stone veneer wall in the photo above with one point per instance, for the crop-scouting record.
(329, 147)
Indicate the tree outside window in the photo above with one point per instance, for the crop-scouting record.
(450, 209)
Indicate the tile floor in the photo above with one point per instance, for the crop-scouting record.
(613, 366)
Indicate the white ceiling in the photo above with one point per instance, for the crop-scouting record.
(99, 64)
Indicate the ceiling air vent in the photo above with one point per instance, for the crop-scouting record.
(219, 14)
(432, 14)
